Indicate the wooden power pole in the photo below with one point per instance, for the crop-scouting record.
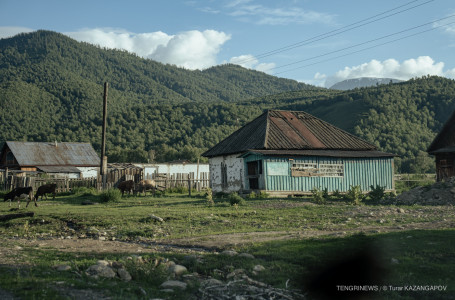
(103, 166)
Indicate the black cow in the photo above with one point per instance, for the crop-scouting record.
(44, 190)
(127, 186)
(20, 192)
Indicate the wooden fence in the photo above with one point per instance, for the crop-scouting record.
(109, 180)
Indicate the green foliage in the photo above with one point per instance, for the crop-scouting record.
(209, 197)
(355, 195)
(318, 196)
(235, 199)
(51, 87)
(110, 195)
(258, 195)
(178, 190)
(84, 191)
(377, 193)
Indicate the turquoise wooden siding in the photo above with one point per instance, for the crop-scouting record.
(364, 172)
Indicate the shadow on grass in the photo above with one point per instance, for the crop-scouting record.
(359, 266)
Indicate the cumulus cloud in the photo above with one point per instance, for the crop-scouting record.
(10, 31)
(391, 68)
(189, 49)
(250, 62)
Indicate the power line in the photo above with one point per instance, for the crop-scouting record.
(364, 49)
(337, 31)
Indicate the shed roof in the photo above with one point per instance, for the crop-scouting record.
(288, 130)
(445, 140)
(53, 154)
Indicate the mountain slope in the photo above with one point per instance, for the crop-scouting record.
(351, 84)
(51, 89)
(43, 57)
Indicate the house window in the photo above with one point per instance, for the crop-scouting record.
(304, 166)
(331, 170)
(304, 169)
(224, 182)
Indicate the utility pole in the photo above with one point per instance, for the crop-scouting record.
(103, 166)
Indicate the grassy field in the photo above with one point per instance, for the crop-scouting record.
(410, 249)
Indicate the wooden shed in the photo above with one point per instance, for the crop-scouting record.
(443, 148)
(72, 160)
(292, 152)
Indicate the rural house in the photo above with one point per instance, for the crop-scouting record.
(291, 153)
(443, 148)
(72, 160)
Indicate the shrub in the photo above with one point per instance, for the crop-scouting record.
(318, 196)
(84, 191)
(337, 195)
(355, 195)
(377, 193)
(111, 195)
(235, 199)
(209, 197)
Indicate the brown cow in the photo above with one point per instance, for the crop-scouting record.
(46, 189)
(127, 185)
(20, 192)
(145, 185)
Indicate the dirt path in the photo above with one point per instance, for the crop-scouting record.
(9, 247)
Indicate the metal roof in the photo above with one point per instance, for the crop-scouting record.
(54, 154)
(58, 169)
(288, 130)
(325, 153)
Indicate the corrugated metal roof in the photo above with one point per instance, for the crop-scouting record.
(54, 154)
(288, 130)
(58, 169)
(325, 153)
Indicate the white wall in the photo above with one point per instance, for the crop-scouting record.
(234, 170)
(172, 169)
(89, 172)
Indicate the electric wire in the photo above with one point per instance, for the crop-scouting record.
(357, 51)
(336, 31)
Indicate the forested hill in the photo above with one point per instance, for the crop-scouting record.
(49, 60)
(51, 89)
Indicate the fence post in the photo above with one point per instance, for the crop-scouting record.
(189, 186)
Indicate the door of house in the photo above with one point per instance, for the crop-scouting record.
(254, 169)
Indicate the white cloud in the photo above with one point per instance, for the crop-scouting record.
(189, 49)
(262, 15)
(250, 62)
(391, 68)
(10, 31)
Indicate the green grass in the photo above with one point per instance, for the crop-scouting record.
(424, 257)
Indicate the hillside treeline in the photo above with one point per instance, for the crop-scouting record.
(51, 88)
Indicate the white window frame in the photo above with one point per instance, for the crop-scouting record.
(331, 170)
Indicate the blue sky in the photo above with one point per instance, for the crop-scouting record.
(318, 42)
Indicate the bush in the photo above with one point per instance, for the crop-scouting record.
(209, 197)
(355, 195)
(377, 193)
(318, 196)
(258, 195)
(111, 195)
(235, 199)
(178, 190)
(84, 191)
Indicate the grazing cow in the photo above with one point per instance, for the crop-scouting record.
(145, 185)
(44, 190)
(126, 186)
(20, 192)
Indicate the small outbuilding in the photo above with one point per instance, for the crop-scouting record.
(71, 160)
(443, 148)
(291, 153)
